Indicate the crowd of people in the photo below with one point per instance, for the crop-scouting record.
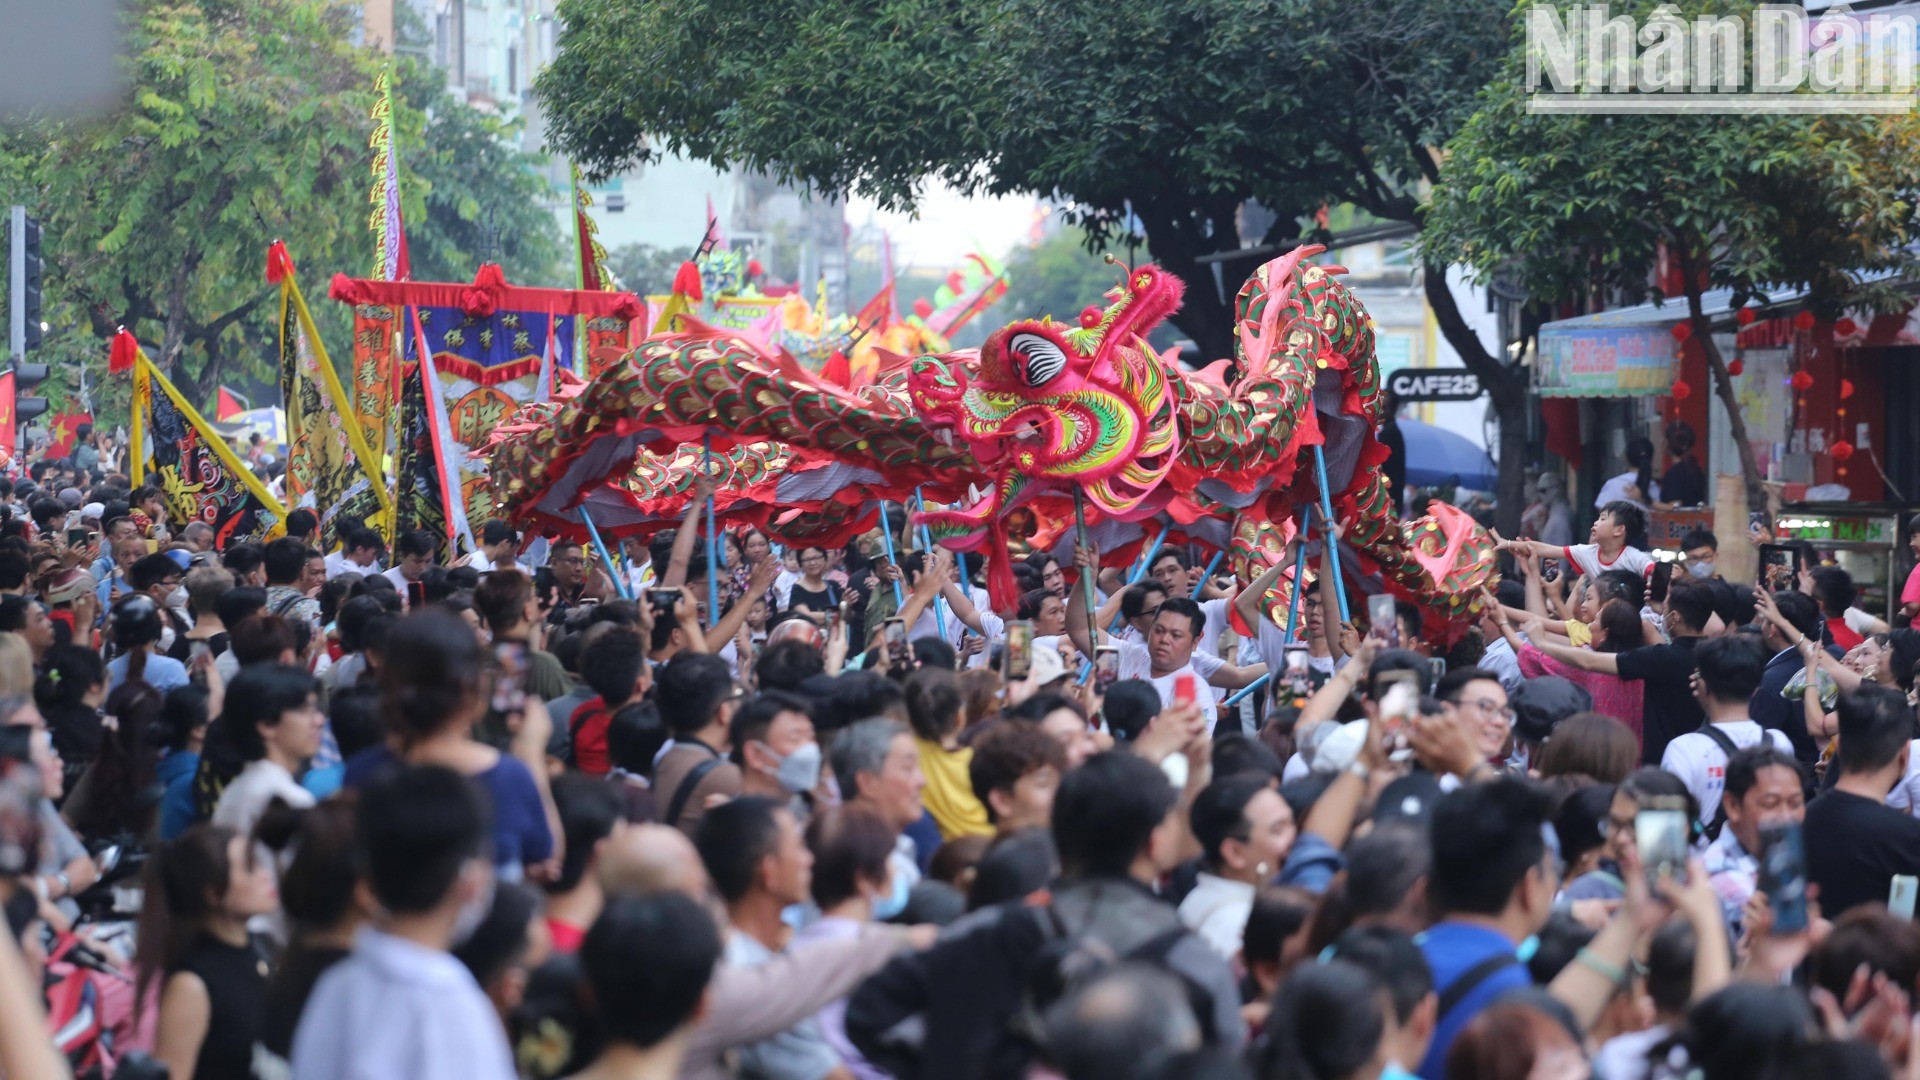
(391, 810)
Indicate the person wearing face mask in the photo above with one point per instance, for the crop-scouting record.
(853, 884)
(400, 1004)
(1701, 551)
(774, 745)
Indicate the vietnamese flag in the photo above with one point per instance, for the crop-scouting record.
(64, 429)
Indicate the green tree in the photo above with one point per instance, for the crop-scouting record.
(645, 269)
(1175, 113)
(247, 121)
(1578, 206)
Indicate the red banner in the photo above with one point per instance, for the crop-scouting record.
(7, 430)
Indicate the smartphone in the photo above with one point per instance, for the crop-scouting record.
(1901, 895)
(663, 600)
(1183, 688)
(197, 649)
(1296, 673)
(416, 595)
(1399, 696)
(1779, 567)
(509, 676)
(894, 631)
(77, 538)
(1106, 667)
(1658, 583)
(1783, 876)
(1661, 836)
(1383, 615)
(1016, 659)
(1436, 670)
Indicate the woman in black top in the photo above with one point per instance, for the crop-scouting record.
(194, 948)
(813, 593)
(70, 690)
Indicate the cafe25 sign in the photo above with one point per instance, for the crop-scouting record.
(1433, 384)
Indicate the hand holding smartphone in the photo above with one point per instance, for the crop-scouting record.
(1106, 667)
(1017, 658)
(1383, 617)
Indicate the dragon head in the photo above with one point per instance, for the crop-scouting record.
(1049, 407)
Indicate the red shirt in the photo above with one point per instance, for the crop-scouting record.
(1843, 634)
(588, 728)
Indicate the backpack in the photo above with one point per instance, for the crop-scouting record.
(1068, 959)
(1726, 744)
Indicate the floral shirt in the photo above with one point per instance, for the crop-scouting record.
(1734, 875)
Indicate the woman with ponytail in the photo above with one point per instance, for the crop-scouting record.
(194, 953)
(435, 685)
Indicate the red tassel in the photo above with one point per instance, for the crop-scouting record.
(627, 306)
(1002, 591)
(837, 370)
(346, 290)
(125, 349)
(279, 263)
(686, 281)
(1737, 367)
(476, 302)
(490, 277)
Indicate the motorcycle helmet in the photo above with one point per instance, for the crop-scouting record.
(135, 621)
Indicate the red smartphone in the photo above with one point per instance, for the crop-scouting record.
(416, 595)
(1183, 689)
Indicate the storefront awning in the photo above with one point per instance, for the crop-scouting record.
(1629, 352)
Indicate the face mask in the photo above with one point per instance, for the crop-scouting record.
(177, 598)
(473, 912)
(894, 902)
(799, 771)
(1700, 569)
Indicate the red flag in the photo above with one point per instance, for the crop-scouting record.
(226, 405)
(7, 431)
(63, 428)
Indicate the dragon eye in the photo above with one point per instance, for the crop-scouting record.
(1038, 359)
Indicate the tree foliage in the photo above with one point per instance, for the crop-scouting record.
(247, 121)
(1579, 207)
(1178, 111)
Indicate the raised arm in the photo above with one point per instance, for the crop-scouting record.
(1325, 702)
(938, 568)
(757, 585)
(1584, 659)
(1079, 631)
(683, 541)
(1329, 586)
(1229, 677)
(1247, 601)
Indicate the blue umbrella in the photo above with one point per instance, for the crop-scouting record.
(1436, 456)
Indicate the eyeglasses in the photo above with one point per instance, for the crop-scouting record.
(1607, 826)
(1149, 613)
(1491, 708)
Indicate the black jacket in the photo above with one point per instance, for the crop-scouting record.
(955, 1010)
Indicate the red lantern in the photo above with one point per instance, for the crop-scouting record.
(1846, 327)
(1737, 368)
(1841, 450)
(1803, 320)
(1681, 391)
(1801, 381)
(1682, 331)
(1744, 316)
(1846, 389)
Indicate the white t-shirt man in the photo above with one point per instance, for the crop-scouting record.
(1700, 763)
(338, 563)
(1137, 663)
(1587, 558)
